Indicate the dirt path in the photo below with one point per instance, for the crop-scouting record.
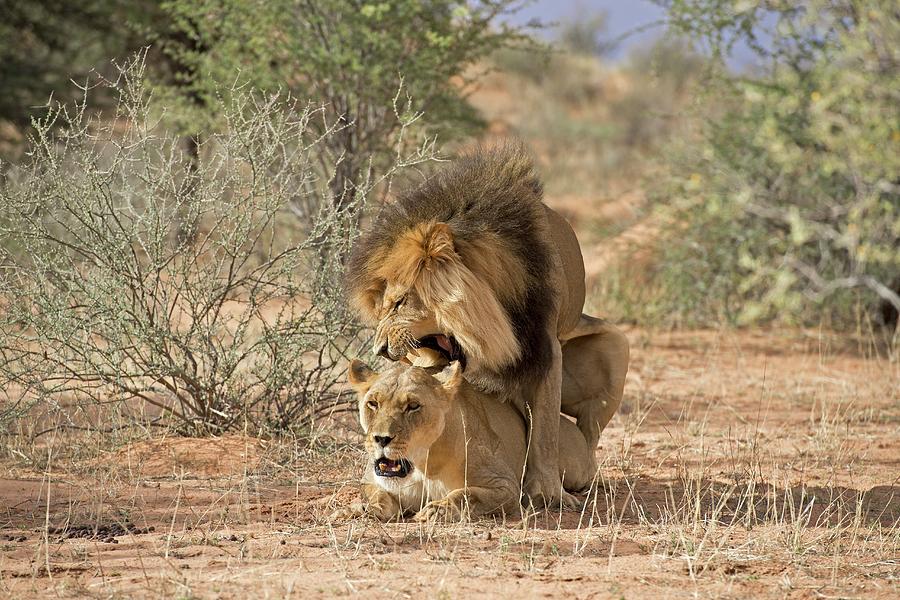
(761, 464)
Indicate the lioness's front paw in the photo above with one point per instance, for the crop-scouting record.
(344, 514)
(439, 510)
(380, 512)
(358, 510)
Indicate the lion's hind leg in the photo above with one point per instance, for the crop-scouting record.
(595, 362)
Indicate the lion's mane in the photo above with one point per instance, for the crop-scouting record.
(484, 274)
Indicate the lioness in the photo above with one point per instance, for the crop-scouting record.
(444, 449)
(472, 266)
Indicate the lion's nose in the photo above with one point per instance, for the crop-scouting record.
(383, 352)
(383, 440)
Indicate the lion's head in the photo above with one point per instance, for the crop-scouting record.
(428, 298)
(402, 412)
(459, 268)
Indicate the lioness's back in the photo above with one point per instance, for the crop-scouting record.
(505, 432)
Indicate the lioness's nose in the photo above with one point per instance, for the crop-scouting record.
(383, 440)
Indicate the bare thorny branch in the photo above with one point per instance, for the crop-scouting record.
(243, 325)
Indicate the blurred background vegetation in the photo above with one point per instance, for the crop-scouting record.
(704, 194)
(786, 205)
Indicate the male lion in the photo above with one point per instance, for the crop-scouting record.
(446, 449)
(472, 266)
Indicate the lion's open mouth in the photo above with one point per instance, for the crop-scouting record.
(446, 345)
(385, 467)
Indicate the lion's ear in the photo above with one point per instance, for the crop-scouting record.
(361, 376)
(437, 244)
(420, 248)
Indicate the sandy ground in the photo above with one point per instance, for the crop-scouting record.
(761, 464)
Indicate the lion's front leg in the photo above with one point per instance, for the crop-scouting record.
(543, 485)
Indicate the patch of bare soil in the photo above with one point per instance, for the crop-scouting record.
(189, 457)
(743, 464)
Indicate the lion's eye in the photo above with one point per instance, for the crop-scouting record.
(413, 407)
(399, 302)
(372, 405)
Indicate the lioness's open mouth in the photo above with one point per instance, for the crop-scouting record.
(385, 467)
(447, 346)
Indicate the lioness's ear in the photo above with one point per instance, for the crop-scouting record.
(361, 376)
(454, 377)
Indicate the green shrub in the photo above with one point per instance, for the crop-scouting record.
(787, 204)
(583, 34)
(46, 43)
(663, 77)
(361, 60)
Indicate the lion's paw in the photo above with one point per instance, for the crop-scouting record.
(438, 511)
(570, 502)
(549, 493)
(347, 513)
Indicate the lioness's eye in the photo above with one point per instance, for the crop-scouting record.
(372, 405)
(399, 302)
(413, 407)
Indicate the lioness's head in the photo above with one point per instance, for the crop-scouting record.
(402, 411)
